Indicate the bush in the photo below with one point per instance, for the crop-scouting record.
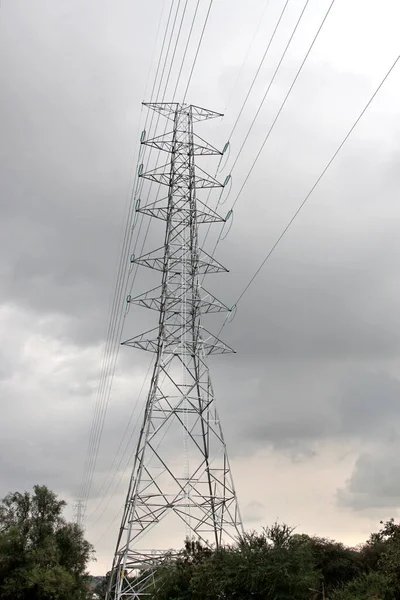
(273, 564)
(372, 586)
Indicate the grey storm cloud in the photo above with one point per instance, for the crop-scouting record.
(317, 335)
(374, 482)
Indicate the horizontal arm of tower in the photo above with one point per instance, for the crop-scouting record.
(169, 109)
(205, 303)
(203, 114)
(205, 263)
(173, 343)
(162, 175)
(180, 144)
(159, 210)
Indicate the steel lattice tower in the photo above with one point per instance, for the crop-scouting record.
(192, 485)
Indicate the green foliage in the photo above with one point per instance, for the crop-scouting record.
(278, 564)
(371, 586)
(389, 560)
(271, 565)
(371, 552)
(42, 557)
(99, 585)
(336, 563)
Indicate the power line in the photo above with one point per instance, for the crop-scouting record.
(271, 82)
(260, 20)
(198, 49)
(120, 320)
(111, 348)
(186, 49)
(247, 97)
(259, 68)
(177, 83)
(176, 44)
(205, 497)
(346, 137)
(278, 113)
(120, 446)
(284, 100)
(167, 52)
(122, 476)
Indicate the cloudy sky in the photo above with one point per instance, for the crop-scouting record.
(311, 401)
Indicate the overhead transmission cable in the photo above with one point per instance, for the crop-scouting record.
(100, 409)
(237, 79)
(260, 104)
(108, 350)
(120, 320)
(197, 50)
(270, 83)
(260, 20)
(255, 77)
(165, 88)
(166, 126)
(185, 53)
(177, 83)
(175, 89)
(191, 72)
(282, 104)
(317, 181)
(117, 466)
(129, 461)
(186, 49)
(219, 239)
(260, 66)
(173, 98)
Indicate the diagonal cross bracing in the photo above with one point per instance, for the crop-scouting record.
(190, 486)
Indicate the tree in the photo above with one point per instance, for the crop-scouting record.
(336, 563)
(42, 557)
(272, 565)
(101, 587)
(388, 540)
(372, 586)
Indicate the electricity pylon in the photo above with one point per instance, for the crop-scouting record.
(174, 483)
(79, 514)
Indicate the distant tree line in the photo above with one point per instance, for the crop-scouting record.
(279, 564)
(44, 557)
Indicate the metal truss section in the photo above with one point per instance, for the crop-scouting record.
(166, 143)
(159, 210)
(163, 176)
(153, 299)
(181, 477)
(203, 341)
(169, 110)
(204, 265)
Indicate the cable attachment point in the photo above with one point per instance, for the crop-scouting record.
(220, 166)
(142, 147)
(228, 180)
(128, 304)
(136, 214)
(229, 217)
(132, 261)
(232, 312)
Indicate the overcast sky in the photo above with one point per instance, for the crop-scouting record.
(310, 404)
